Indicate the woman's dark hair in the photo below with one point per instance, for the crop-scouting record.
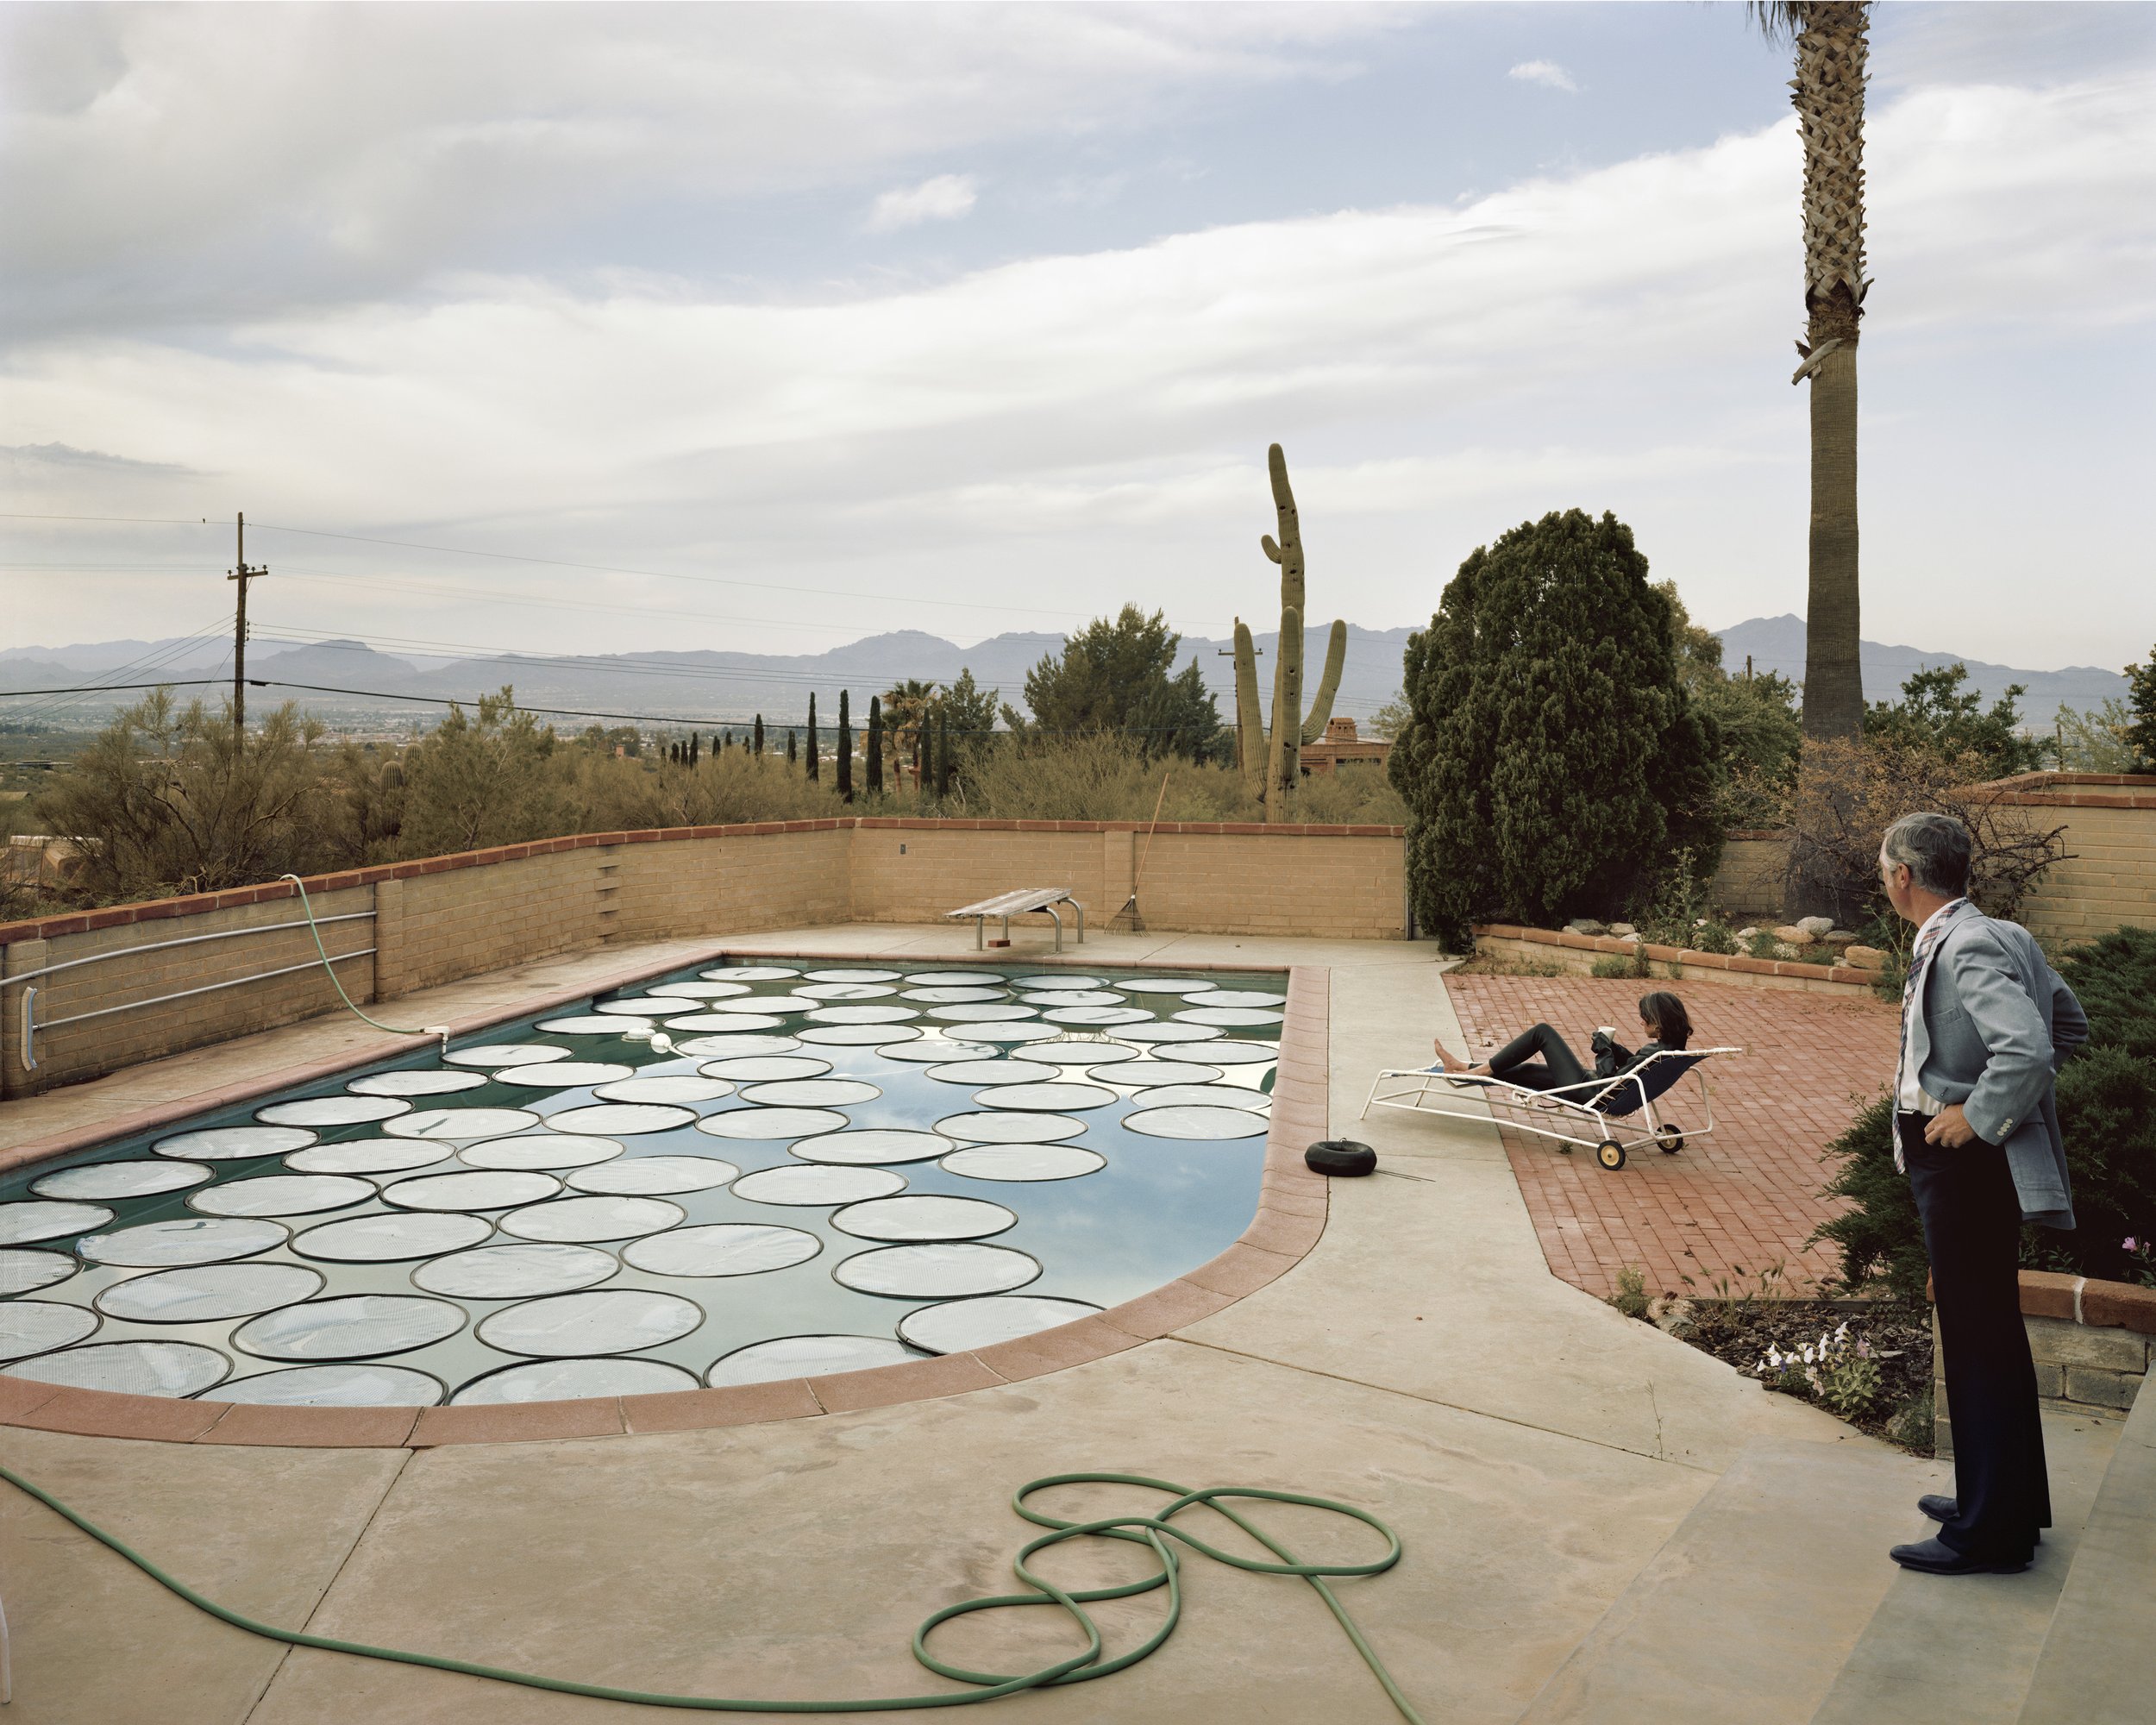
(1672, 1024)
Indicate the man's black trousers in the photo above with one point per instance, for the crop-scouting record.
(1972, 1231)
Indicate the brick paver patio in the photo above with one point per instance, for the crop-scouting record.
(1731, 1205)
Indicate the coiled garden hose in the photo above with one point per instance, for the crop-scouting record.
(307, 911)
(1155, 1531)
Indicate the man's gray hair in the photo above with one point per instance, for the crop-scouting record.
(1935, 849)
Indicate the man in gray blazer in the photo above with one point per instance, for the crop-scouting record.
(1985, 1024)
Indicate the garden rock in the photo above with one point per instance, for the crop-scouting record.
(1864, 957)
(1796, 934)
(1817, 927)
(1585, 925)
(1623, 931)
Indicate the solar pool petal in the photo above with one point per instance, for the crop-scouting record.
(500, 1055)
(167, 1369)
(934, 1049)
(1023, 1163)
(858, 1036)
(736, 1047)
(1230, 1053)
(1196, 1123)
(541, 1151)
(862, 1015)
(952, 995)
(95, 1180)
(768, 1123)
(335, 1386)
(394, 1239)
(995, 1072)
(670, 1087)
(723, 1249)
(849, 991)
(952, 979)
(630, 1119)
(996, 1125)
(850, 976)
(749, 1068)
(1060, 982)
(1232, 1017)
(1146, 1073)
(1206, 1096)
(747, 972)
(808, 1186)
(804, 1356)
(924, 1216)
(460, 1126)
(1027, 1030)
(1084, 1050)
(192, 1239)
(1044, 1097)
(25, 1272)
(282, 1195)
(208, 1293)
(959, 1326)
(655, 1175)
(939, 1271)
(352, 1326)
(370, 1156)
(984, 1012)
(1164, 985)
(34, 1326)
(331, 1111)
(1098, 1016)
(1073, 997)
(699, 991)
(566, 1075)
(743, 1021)
(867, 1146)
(812, 1093)
(1243, 997)
(414, 1083)
(521, 1272)
(234, 1144)
(572, 1380)
(488, 1191)
(609, 1320)
(580, 1221)
(1170, 1032)
(592, 1024)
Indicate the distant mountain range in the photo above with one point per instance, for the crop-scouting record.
(719, 687)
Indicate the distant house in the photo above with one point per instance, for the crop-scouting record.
(1340, 744)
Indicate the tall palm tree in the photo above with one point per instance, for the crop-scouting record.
(1827, 92)
(907, 707)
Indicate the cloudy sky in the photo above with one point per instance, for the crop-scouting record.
(774, 325)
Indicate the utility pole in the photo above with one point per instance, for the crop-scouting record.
(242, 576)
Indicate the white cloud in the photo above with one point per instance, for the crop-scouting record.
(1547, 72)
(1069, 431)
(944, 198)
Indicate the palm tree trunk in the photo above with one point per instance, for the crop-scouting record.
(1834, 680)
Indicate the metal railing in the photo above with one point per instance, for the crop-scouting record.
(31, 1024)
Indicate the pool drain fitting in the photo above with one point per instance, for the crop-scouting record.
(1154, 1531)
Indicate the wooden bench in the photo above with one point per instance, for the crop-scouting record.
(1009, 905)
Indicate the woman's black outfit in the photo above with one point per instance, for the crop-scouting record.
(1538, 1059)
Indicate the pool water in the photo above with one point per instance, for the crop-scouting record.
(728, 1175)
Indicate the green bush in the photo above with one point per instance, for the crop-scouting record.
(1554, 760)
(2107, 1114)
(1610, 964)
(1713, 937)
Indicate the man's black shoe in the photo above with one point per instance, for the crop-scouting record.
(1941, 1508)
(1935, 1557)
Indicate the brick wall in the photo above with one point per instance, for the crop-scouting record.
(445, 917)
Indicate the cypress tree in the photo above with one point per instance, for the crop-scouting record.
(696, 748)
(845, 747)
(793, 745)
(1552, 760)
(814, 771)
(874, 746)
(759, 736)
(942, 753)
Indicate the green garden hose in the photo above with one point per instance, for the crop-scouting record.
(307, 911)
(1081, 1667)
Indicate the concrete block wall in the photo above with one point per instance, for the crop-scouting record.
(1749, 884)
(69, 1053)
(444, 918)
(2092, 1343)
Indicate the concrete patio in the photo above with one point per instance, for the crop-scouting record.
(1600, 1523)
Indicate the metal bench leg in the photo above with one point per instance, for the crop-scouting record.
(1081, 909)
(980, 934)
(1052, 911)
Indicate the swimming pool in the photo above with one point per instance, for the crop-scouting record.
(725, 1174)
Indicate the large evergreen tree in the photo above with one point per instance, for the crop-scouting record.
(874, 745)
(813, 769)
(845, 746)
(1553, 763)
(1119, 673)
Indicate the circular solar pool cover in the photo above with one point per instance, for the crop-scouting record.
(744, 1172)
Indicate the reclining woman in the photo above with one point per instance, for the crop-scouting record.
(1539, 1059)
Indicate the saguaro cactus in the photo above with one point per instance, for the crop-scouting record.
(1273, 767)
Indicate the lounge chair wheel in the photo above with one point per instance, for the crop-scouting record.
(1341, 1157)
(1610, 1154)
(1669, 1138)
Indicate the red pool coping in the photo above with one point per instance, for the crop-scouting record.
(1291, 1216)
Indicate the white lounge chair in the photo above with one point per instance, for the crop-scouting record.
(1592, 1107)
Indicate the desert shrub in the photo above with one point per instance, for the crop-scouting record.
(1612, 964)
(1554, 759)
(1631, 1297)
(1713, 937)
(1938, 714)
(1119, 673)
